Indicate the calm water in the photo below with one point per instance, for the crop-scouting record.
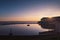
(21, 29)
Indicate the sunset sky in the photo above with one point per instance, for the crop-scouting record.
(28, 10)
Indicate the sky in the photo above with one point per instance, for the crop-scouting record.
(28, 10)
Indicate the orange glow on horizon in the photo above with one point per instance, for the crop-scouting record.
(20, 19)
(33, 14)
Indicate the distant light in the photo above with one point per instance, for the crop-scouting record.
(50, 17)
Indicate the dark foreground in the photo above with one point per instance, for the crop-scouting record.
(49, 35)
(35, 37)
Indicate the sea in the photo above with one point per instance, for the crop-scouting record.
(21, 29)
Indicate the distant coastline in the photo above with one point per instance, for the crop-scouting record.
(17, 22)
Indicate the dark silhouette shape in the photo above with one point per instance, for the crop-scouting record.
(50, 23)
(45, 23)
(28, 25)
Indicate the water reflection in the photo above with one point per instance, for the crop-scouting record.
(21, 29)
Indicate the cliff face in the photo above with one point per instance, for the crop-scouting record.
(46, 23)
(50, 23)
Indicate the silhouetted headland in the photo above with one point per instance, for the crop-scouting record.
(51, 23)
